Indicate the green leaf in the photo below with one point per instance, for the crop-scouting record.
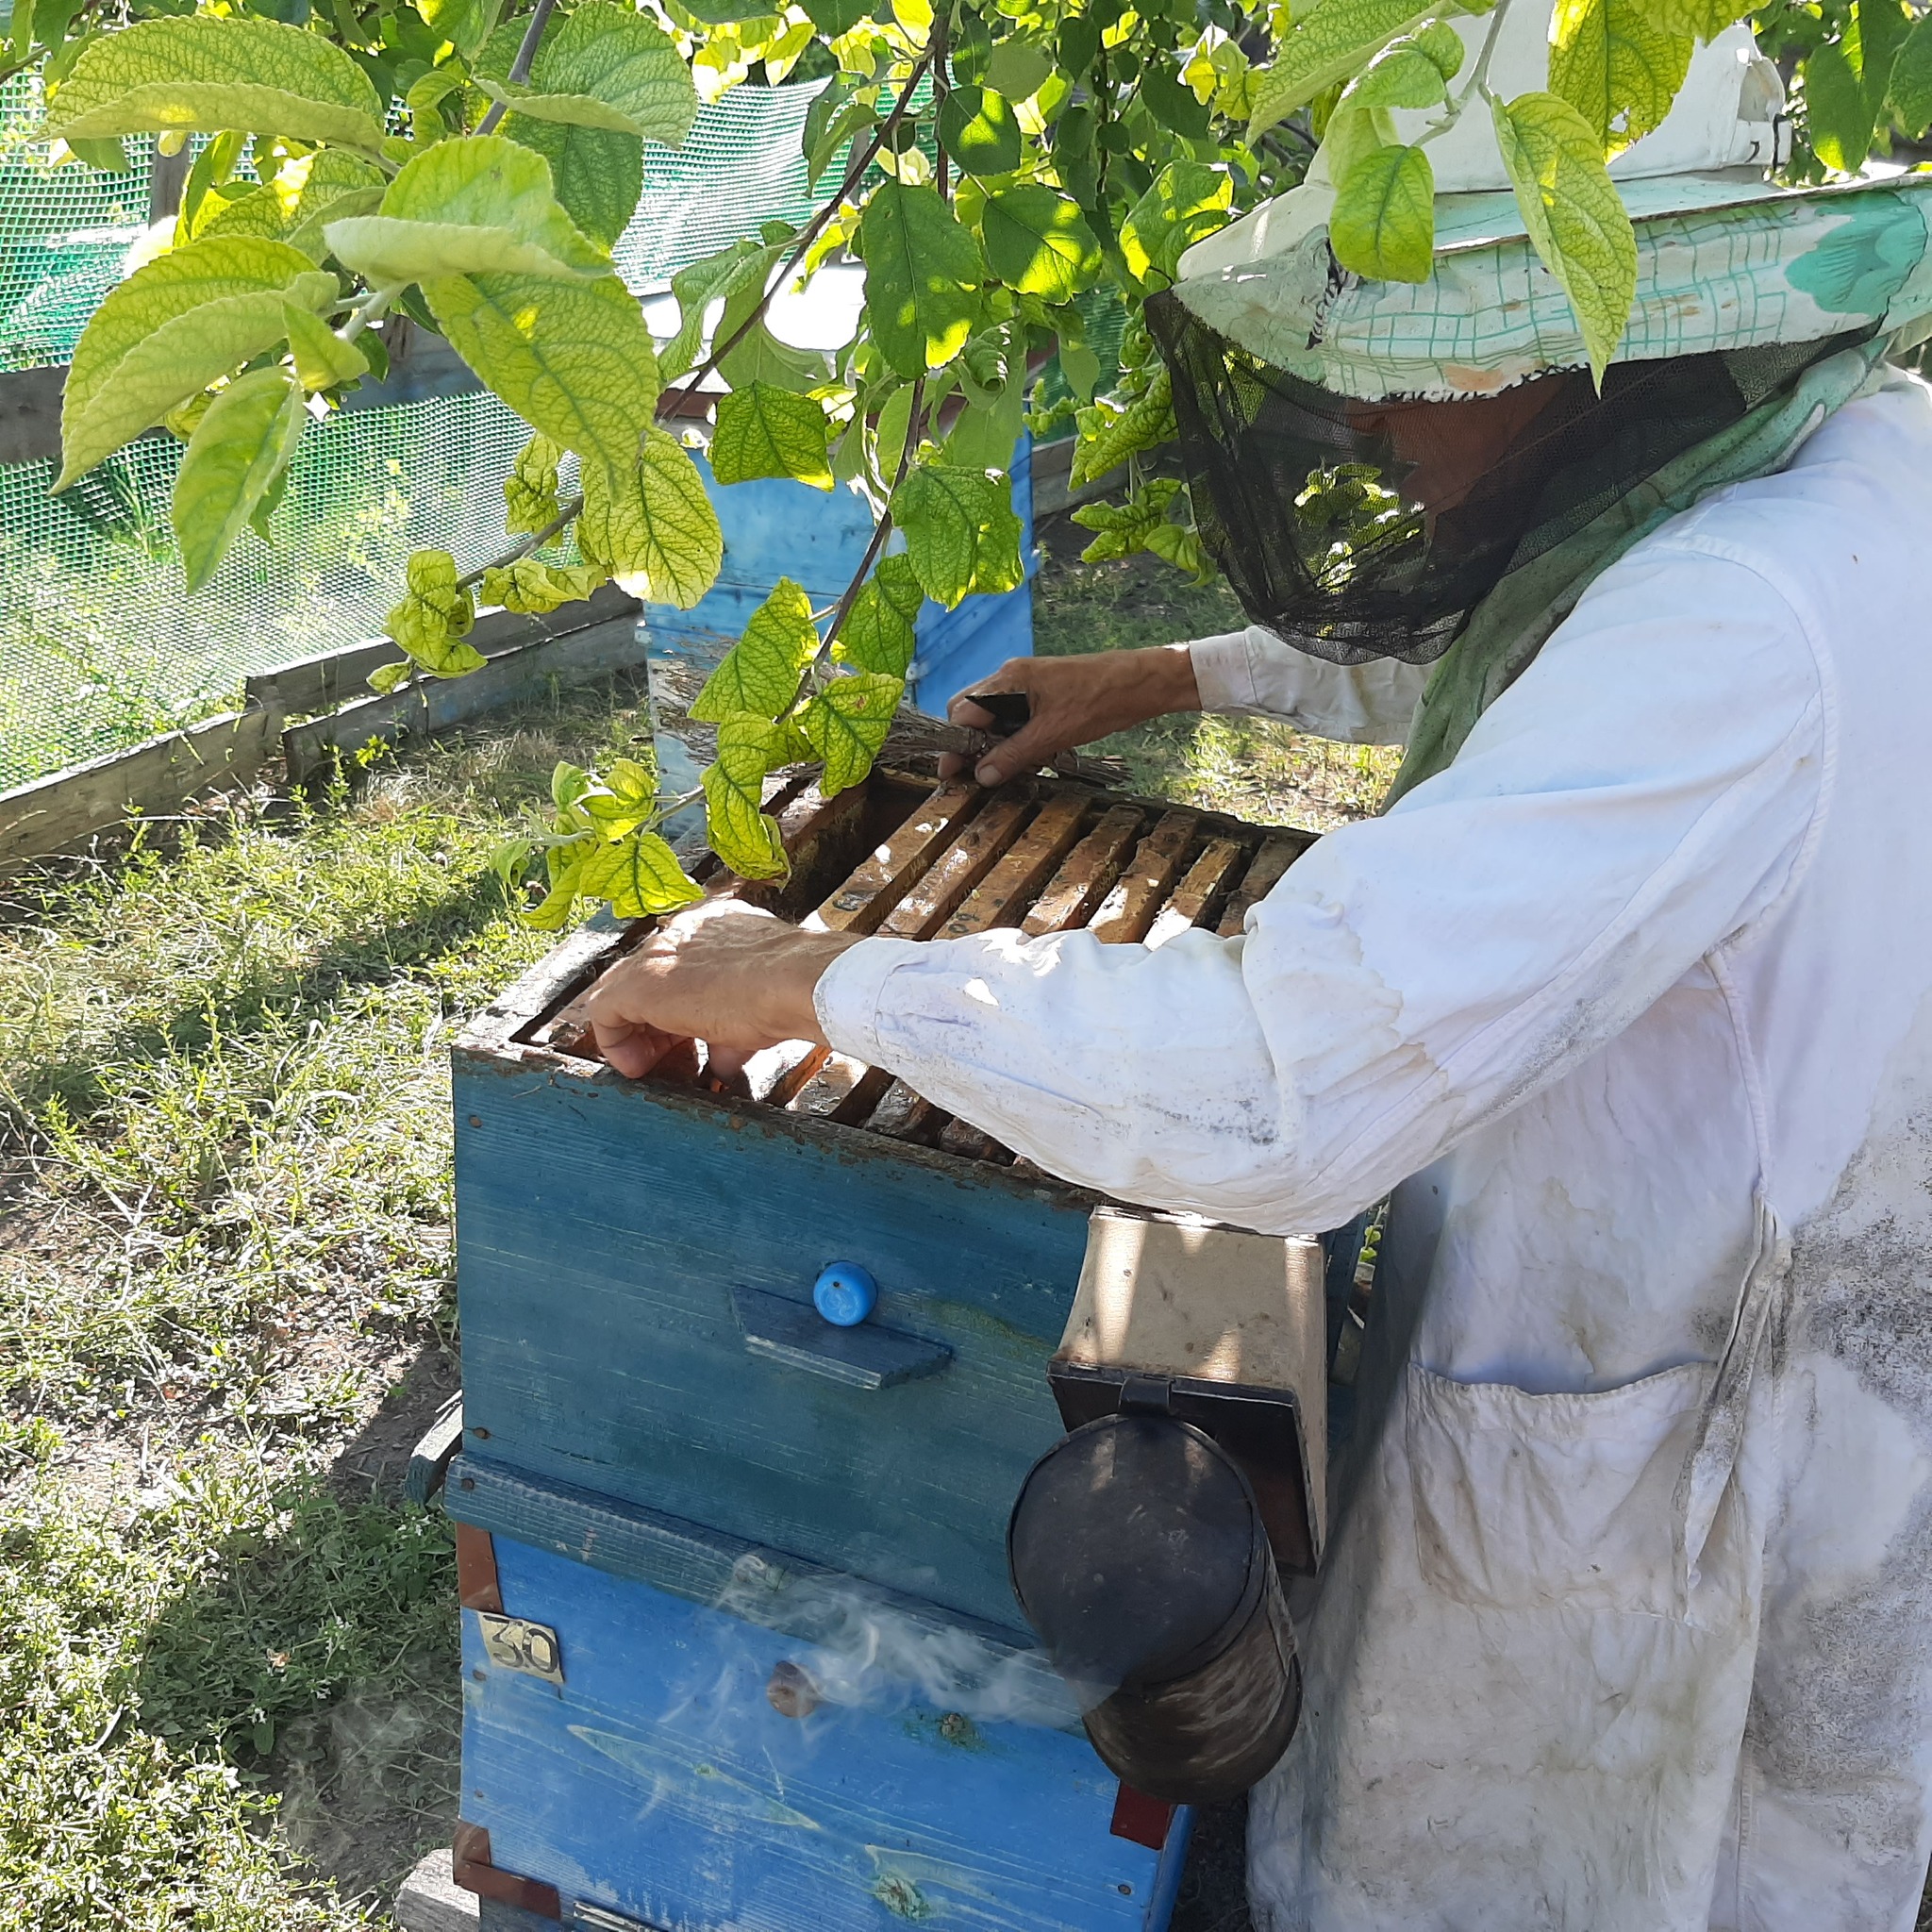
(922, 277)
(762, 357)
(479, 205)
(200, 73)
(1081, 367)
(639, 874)
(878, 634)
(209, 182)
(465, 23)
(323, 359)
(1383, 224)
(293, 205)
(566, 866)
(1018, 68)
(1188, 201)
(162, 293)
(653, 526)
(627, 797)
(838, 111)
(1442, 44)
(1575, 220)
(759, 674)
(241, 448)
(977, 129)
(259, 214)
(742, 265)
(846, 724)
(1910, 91)
(1353, 134)
(983, 437)
(1703, 20)
(529, 491)
(1842, 119)
(573, 359)
(739, 833)
(598, 177)
(568, 784)
(1110, 432)
(1170, 100)
(1846, 83)
(1612, 61)
(531, 586)
(605, 67)
(764, 431)
(1325, 46)
(434, 616)
(1126, 529)
(179, 358)
(1402, 75)
(834, 17)
(104, 157)
(962, 534)
(1038, 241)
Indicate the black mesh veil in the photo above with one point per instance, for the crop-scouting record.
(1359, 530)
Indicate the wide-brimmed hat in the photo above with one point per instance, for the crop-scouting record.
(1726, 259)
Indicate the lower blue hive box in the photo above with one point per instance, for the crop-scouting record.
(740, 1648)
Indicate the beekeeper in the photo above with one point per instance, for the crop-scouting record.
(1627, 1622)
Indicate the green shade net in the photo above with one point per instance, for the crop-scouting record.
(100, 647)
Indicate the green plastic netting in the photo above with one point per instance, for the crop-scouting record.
(99, 645)
(65, 233)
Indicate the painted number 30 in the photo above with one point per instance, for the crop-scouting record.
(515, 1644)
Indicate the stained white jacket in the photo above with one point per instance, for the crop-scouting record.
(1634, 1004)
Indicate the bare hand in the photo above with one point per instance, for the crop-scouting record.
(1075, 701)
(724, 972)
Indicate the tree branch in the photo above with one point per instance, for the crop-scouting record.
(520, 67)
(854, 176)
(566, 515)
(884, 527)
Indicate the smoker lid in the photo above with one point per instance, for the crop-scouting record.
(1137, 1552)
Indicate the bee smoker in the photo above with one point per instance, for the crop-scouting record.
(1146, 1547)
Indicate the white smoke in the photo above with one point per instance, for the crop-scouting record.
(870, 1654)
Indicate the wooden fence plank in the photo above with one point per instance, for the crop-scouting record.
(341, 676)
(423, 709)
(57, 814)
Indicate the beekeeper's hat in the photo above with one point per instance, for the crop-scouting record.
(1726, 259)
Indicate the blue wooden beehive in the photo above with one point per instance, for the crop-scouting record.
(775, 529)
(740, 1646)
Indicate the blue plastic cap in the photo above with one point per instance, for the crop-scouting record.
(845, 1293)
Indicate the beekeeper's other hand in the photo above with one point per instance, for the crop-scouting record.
(1075, 700)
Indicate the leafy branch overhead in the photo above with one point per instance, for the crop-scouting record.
(1007, 177)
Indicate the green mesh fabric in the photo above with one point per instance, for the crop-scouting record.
(63, 235)
(99, 645)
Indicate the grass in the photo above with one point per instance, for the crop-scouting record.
(225, 1306)
(226, 1653)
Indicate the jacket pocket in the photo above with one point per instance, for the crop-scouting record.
(1548, 1502)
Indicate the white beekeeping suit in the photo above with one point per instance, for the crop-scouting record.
(1626, 1622)
(1628, 1625)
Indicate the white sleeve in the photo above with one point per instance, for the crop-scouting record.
(1638, 795)
(1253, 670)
